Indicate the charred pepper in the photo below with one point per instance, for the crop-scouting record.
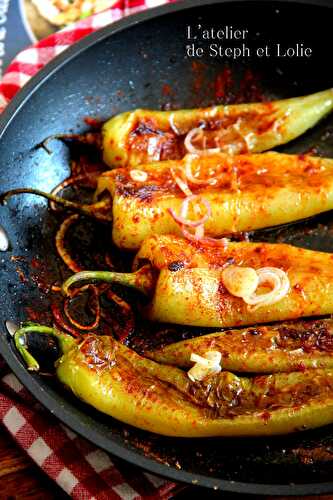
(140, 136)
(185, 285)
(262, 349)
(162, 399)
(244, 192)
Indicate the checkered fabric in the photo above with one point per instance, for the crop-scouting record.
(28, 62)
(81, 469)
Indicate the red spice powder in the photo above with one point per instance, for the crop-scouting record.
(250, 88)
(167, 90)
(223, 84)
(199, 69)
(92, 122)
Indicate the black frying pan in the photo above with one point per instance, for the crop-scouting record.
(121, 67)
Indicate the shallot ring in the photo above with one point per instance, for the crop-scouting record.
(173, 125)
(60, 246)
(69, 182)
(183, 186)
(181, 219)
(95, 323)
(281, 286)
(192, 149)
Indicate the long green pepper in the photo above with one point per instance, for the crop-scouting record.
(162, 399)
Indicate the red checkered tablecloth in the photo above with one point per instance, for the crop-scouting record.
(80, 468)
(28, 62)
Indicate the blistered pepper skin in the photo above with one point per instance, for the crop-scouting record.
(266, 125)
(161, 399)
(184, 282)
(262, 349)
(253, 192)
(189, 289)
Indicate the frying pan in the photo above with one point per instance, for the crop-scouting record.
(128, 65)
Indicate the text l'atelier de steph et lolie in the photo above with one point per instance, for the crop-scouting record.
(220, 36)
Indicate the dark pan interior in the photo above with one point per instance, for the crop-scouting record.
(142, 64)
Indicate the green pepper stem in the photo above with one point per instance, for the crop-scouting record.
(65, 342)
(91, 210)
(142, 280)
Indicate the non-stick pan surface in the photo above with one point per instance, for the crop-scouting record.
(141, 62)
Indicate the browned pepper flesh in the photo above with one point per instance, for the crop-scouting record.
(250, 192)
(262, 349)
(162, 399)
(185, 282)
(136, 137)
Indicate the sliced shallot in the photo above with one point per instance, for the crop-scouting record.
(154, 148)
(206, 365)
(199, 133)
(279, 281)
(183, 186)
(182, 217)
(242, 282)
(231, 146)
(138, 175)
(198, 235)
(173, 125)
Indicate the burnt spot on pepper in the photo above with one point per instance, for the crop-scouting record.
(311, 336)
(176, 266)
(143, 193)
(254, 331)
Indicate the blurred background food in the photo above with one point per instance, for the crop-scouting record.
(47, 16)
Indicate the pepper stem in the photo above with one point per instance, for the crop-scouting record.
(142, 280)
(91, 210)
(65, 342)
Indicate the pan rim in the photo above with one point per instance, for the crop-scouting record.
(31, 382)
